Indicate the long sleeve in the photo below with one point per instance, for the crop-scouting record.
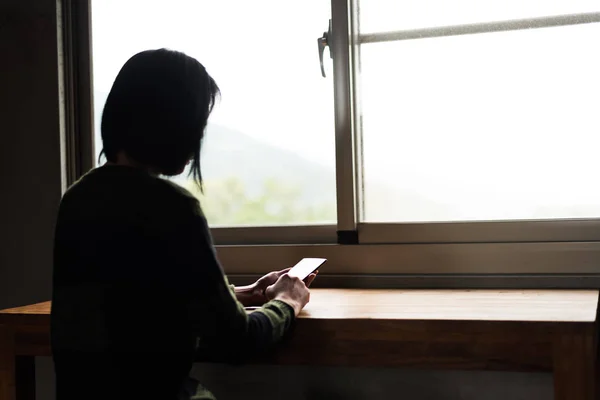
(136, 284)
(220, 322)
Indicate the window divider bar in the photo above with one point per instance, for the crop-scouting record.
(485, 27)
(355, 58)
(341, 48)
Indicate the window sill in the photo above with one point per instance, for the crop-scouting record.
(400, 281)
(552, 261)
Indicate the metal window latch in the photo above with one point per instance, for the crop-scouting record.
(323, 42)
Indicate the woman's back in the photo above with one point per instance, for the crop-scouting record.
(118, 306)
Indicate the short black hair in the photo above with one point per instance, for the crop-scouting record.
(157, 111)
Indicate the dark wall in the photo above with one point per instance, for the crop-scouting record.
(307, 383)
(30, 193)
(30, 180)
(30, 168)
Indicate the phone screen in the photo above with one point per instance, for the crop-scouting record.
(305, 267)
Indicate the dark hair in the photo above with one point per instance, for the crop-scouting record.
(157, 110)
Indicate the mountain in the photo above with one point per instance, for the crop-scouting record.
(228, 153)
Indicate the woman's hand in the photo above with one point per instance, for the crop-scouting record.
(255, 295)
(291, 290)
(263, 283)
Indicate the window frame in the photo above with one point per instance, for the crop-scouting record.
(504, 231)
(548, 253)
(75, 81)
(275, 235)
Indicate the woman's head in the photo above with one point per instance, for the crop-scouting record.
(157, 110)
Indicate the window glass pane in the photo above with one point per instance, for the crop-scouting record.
(392, 15)
(495, 126)
(269, 155)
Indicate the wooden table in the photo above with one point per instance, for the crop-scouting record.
(516, 330)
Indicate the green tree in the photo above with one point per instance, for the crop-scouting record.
(228, 202)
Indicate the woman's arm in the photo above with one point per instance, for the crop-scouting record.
(215, 314)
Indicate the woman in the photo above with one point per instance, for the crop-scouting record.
(137, 285)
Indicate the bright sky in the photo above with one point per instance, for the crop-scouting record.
(263, 55)
(491, 126)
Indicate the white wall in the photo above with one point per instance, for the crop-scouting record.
(30, 193)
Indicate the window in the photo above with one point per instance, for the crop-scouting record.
(477, 112)
(268, 156)
(491, 125)
(445, 137)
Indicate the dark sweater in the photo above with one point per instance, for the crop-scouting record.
(137, 287)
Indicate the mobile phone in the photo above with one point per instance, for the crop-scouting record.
(305, 267)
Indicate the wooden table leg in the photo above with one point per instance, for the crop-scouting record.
(575, 366)
(25, 377)
(7, 363)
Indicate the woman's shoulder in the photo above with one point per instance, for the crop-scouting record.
(177, 190)
(180, 195)
(125, 185)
